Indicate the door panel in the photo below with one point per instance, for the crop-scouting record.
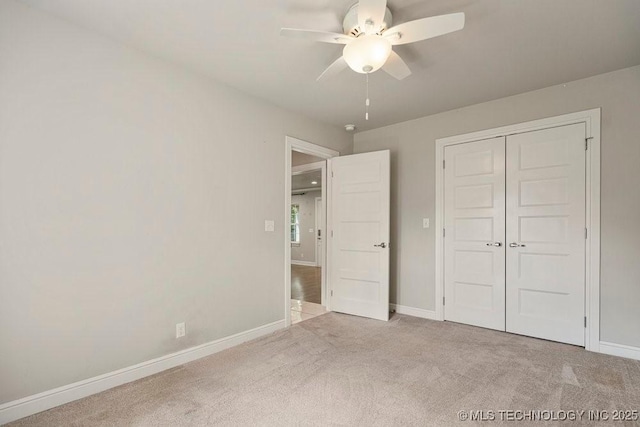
(360, 213)
(474, 221)
(546, 225)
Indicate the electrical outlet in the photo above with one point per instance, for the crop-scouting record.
(425, 222)
(269, 225)
(181, 330)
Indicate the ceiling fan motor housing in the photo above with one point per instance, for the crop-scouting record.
(351, 26)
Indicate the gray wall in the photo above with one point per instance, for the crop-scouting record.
(412, 147)
(124, 183)
(306, 250)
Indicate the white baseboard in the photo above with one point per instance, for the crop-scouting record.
(620, 350)
(415, 312)
(30, 405)
(307, 263)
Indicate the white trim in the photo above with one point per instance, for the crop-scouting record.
(591, 118)
(301, 146)
(311, 149)
(620, 350)
(30, 405)
(412, 311)
(306, 263)
(328, 226)
(592, 294)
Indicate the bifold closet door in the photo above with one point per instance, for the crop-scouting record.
(474, 270)
(545, 226)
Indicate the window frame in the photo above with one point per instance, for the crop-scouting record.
(295, 225)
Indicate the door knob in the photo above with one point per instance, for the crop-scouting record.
(496, 244)
(516, 245)
(381, 245)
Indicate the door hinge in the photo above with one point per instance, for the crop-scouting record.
(331, 174)
(444, 232)
(585, 321)
(332, 292)
(443, 300)
(443, 165)
(586, 142)
(331, 233)
(586, 233)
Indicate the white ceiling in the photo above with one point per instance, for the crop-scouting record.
(507, 47)
(304, 180)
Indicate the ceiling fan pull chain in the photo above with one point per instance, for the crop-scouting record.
(367, 102)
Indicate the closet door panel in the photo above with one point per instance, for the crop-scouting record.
(545, 229)
(474, 240)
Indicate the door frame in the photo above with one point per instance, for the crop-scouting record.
(295, 144)
(319, 260)
(591, 119)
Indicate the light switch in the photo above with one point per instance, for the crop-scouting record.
(425, 222)
(269, 225)
(311, 230)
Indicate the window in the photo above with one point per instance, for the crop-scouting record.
(295, 224)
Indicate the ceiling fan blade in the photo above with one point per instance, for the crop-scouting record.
(317, 36)
(396, 67)
(425, 28)
(338, 66)
(371, 11)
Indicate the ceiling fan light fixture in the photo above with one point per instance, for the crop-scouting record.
(367, 53)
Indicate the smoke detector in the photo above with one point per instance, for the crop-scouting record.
(349, 128)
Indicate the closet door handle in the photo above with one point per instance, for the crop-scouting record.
(496, 244)
(516, 245)
(381, 245)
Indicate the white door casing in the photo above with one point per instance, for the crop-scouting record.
(305, 147)
(474, 251)
(359, 238)
(545, 228)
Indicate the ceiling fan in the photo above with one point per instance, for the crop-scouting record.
(369, 37)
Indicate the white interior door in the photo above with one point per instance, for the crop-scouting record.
(319, 231)
(359, 239)
(546, 234)
(474, 270)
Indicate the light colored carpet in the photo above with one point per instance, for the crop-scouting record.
(343, 370)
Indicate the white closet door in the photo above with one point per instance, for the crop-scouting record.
(546, 234)
(474, 270)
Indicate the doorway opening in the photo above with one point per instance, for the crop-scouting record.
(307, 235)
(306, 191)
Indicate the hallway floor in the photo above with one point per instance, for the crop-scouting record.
(302, 310)
(306, 283)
